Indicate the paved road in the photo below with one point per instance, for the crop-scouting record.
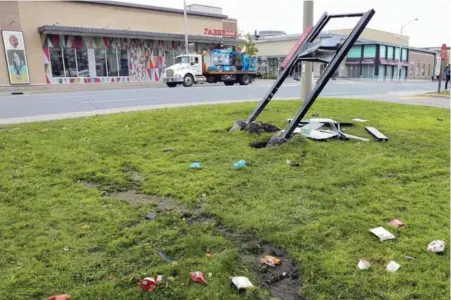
(33, 107)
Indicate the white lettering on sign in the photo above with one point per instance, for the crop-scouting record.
(220, 32)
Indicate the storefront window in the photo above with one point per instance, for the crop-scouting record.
(70, 62)
(389, 52)
(423, 70)
(369, 51)
(100, 59)
(111, 55)
(56, 61)
(82, 62)
(123, 62)
(355, 52)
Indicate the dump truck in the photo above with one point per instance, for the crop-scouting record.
(229, 67)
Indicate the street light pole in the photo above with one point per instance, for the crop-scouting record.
(186, 26)
(400, 49)
(306, 77)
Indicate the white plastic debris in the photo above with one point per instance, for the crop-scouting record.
(363, 264)
(393, 266)
(382, 233)
(359, 120)
(242, 282)
(436, 246)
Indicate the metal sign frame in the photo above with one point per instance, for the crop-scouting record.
(310, 36)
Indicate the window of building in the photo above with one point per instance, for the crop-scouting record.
(82, 62)
(70, 62)
(355, 52)
(389, 52)
(123, 63)
(404, 54)
(100, 59)
(56, 62)
(383, 51)
(369, 51)
(112, 65)
(423, 70)
(367, 71)
(397, 53)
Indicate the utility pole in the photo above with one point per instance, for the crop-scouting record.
(186, 26)
(307, 76)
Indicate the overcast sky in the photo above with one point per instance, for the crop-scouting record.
(432, 29)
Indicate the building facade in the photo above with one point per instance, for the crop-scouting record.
(377, 59)
(102, 41)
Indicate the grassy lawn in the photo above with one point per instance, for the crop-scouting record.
(58, 236)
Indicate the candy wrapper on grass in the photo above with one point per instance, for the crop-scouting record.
(150, 284)
(198, 277)
(270, 260)
(60, 297)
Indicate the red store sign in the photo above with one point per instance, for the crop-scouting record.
(220, 32)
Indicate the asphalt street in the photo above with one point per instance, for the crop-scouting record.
(35, 107)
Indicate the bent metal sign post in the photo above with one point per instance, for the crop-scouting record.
(220, 32)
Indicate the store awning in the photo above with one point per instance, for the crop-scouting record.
(353, 61)
(121, 33)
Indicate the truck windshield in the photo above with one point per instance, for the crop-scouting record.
(182, 60)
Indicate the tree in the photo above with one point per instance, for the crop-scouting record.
(248, 45)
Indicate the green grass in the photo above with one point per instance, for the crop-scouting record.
(319, 213)
(445, 93)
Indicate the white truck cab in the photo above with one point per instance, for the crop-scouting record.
(187, 70)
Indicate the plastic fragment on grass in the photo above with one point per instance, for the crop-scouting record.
(242, 283)
(382, 233)
(167, 258)
(66, 248)
(397, 223)
(410, 257)
(150, 216)
(437, 246)
(195, 165)
(363, 264)
(270, 260)
(198, 277)
(60, 297)
(292, 163)
(150, 283)
(393, 266)
(240, 164)
(360, 120)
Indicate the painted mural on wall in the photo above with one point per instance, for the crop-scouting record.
(145, 57)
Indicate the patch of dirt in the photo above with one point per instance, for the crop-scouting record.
(283, 281)
(258, 144)
(260, 127)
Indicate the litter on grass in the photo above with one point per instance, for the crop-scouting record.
(270, 260)
(436, 246)
(198, 277)
(242, 283)
(150, 216)
(359, 120)
(397, 223)
(382, 233)
(393, 266)
(195, 165)
(150, 284)
(167, 258)
(60, 297)
(363, 264)
(240, 164)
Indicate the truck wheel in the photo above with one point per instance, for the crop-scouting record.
(244, 80)
(188, 81)
(171, 84)
(229, 83)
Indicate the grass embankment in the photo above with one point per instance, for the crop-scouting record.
(320, 213)
(442, 93)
